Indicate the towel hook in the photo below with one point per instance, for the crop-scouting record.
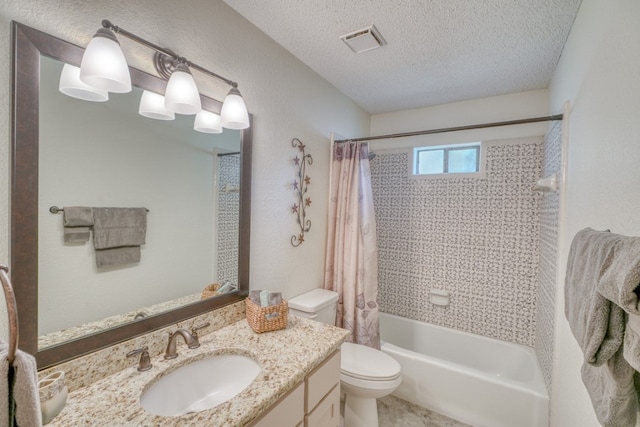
(12, 310)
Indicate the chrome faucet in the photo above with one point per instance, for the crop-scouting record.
(190, 338)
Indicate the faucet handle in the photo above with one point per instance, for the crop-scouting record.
(145, 360)
(194, 333)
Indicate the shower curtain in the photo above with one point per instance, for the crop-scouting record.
(351, 261)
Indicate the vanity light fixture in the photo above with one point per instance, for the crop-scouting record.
(71, 85)
(152, 106)
(182, 94)
(234, 113)
(104, 66)
(208, 122)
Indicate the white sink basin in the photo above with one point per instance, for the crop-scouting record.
(199, 385)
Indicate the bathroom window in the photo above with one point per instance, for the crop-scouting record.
(450, 159)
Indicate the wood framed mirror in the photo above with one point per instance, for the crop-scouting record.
(29, 46)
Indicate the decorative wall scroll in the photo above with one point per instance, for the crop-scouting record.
(300, 187)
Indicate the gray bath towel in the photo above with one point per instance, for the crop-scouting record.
(77, 221)
(631, 344)
(598, 325)
(612, 391)
(621, 279)
(118, 234)
(618, 284)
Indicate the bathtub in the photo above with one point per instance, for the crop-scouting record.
(474, 379)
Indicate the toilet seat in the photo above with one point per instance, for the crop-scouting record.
(370, 386)
(359, 362)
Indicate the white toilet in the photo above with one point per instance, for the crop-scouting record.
(365, 373)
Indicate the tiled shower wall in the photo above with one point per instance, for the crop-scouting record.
(228, 217)
(549, 214)
(475, 237)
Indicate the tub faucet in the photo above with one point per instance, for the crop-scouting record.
(190, 338)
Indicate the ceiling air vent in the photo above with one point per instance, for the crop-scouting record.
(363, 40)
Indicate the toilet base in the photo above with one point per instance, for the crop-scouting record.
(360, 411)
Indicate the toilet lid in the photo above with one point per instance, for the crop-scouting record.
(360, 361)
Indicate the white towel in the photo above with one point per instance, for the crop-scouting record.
(23, 392)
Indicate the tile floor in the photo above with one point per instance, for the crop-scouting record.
(395, 412)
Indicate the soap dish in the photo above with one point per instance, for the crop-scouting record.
(53, 395)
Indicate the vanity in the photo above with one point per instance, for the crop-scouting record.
(298, 382)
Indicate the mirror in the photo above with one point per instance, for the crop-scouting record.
(49, 168)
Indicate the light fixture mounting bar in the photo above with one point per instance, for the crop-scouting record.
(107, 24)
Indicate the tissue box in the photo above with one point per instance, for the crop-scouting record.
(265, 319)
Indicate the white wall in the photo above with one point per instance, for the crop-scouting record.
(286, 97)
(599, 74)
(514, 106)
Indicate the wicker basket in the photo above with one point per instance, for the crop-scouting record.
(210, 291)
(260, 322)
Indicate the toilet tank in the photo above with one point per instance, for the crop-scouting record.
(318, 304)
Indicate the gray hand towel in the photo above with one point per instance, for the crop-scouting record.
(21, 400)
(598, 325)
(76, 234)
(116, 227)
(78, 216)
(118, 234)
(117, 256)
(77, 221)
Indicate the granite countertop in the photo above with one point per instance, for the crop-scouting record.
(285, 358)
(54, 338)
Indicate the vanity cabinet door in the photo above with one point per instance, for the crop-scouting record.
(322, 380)
(315, 402)
(327, 413)
(289, 412)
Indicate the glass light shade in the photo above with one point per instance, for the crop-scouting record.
(182, 94)
(234, 112)
(152, 106)
(208, 122)
(71, 85)
(103, 64)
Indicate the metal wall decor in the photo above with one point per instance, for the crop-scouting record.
(300, 186)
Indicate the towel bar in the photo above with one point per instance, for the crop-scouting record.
(55, 209)
(12, 310)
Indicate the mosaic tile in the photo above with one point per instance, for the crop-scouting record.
(547, 269)
(477, 238)
(228, 218)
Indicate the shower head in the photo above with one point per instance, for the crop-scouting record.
(372, 155)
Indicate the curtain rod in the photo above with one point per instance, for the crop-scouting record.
(454, 129)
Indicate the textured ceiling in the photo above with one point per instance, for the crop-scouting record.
(437, 51)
